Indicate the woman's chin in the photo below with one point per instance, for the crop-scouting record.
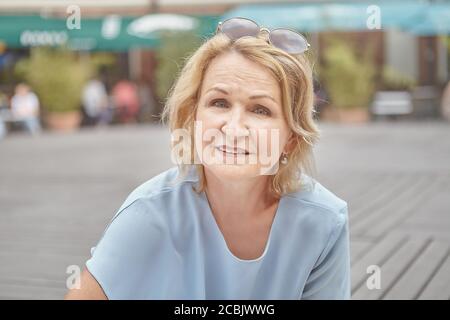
(234, 172)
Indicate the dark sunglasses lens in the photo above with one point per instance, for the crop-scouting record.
(288, 41)
(236, 28)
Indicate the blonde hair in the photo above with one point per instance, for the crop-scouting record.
(293, 73)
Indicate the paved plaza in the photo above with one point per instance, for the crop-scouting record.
(59, 191)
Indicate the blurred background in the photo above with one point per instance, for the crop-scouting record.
(83, 83)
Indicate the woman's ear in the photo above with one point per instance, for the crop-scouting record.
(290, 144)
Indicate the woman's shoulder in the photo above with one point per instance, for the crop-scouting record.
(147, 204)
(321, 215)
(316, 196)
(165, 182)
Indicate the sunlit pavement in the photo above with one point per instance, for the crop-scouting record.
(58, 192)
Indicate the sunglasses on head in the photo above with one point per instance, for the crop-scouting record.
(285, 39)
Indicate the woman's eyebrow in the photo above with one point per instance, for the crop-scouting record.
(262, 96)
(252, 97)
(217, 89)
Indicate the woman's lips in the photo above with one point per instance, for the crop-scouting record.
(232, 151)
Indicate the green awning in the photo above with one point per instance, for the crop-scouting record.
(436, 21)
(110, 33)
(410, 16)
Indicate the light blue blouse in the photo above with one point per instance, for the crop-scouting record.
(164, 243)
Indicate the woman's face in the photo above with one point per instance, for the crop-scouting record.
(240, 127)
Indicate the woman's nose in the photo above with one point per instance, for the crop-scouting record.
(235, 124)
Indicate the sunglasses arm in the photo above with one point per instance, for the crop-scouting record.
(218, 26)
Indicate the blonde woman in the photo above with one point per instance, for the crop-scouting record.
(223, 224)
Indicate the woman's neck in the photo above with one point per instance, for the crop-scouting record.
(242, 199)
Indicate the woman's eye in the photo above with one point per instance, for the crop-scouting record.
(262, 111)
(220, 103)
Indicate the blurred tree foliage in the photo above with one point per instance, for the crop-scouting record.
(349, 77)
(171, 57)
(57, 75)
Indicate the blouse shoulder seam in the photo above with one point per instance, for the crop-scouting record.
(315, 204)
(163, 190)
(149, 196)
(154, 194)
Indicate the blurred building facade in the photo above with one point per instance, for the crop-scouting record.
(423, 57)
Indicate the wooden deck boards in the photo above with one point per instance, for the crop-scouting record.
(57, 193)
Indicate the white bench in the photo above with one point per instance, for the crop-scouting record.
(392, 103)
(6, 116)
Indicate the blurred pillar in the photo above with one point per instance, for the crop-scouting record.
(400, 52)
(142, 71)
(427, 60)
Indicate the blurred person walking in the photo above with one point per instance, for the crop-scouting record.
(96, 103)
(126, 101)
(25, 108)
